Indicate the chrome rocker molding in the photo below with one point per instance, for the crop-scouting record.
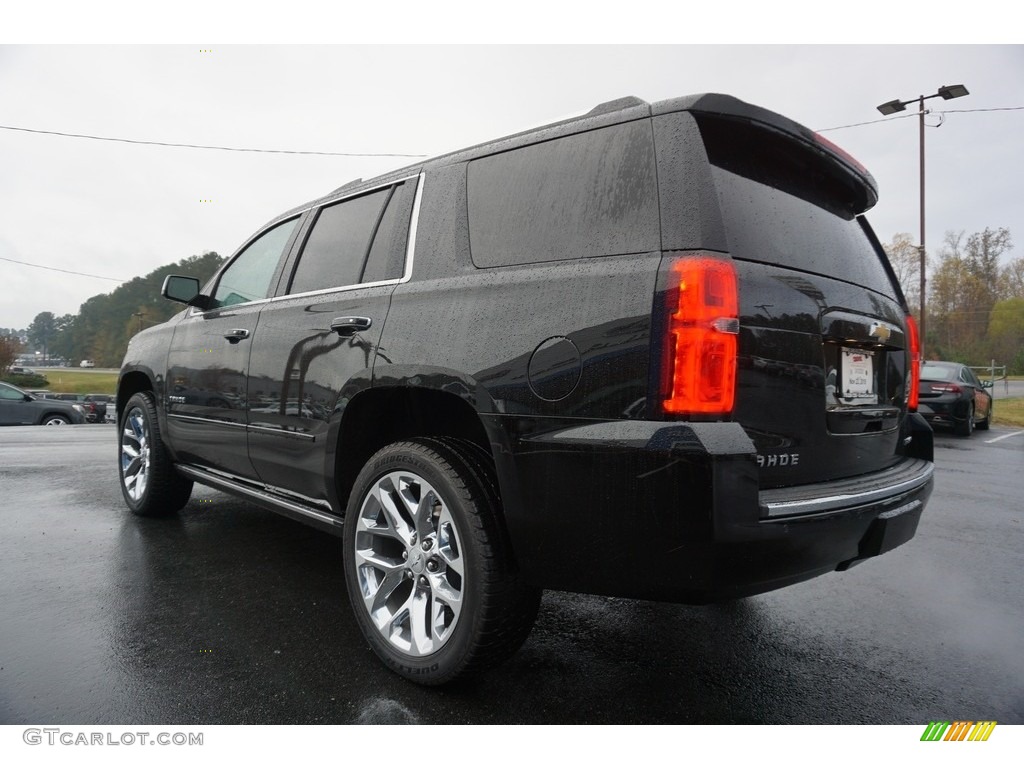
(265, 497)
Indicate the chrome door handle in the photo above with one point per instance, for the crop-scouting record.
(235, 335)
(346, 326)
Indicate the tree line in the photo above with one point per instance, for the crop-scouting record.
(104, 323)
(975, 302)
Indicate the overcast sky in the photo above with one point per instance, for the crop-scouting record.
(120, 210)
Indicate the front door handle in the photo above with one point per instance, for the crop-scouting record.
(346, 326)
(235, 335)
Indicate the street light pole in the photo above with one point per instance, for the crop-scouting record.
(921, 262)
(890, 107)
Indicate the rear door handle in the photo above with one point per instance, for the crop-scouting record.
(346, 326)
(235, 335)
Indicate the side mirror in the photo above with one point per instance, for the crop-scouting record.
(27, 398)
(987, 384)
(184, 290)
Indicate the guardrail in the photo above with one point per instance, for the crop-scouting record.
(991, 371)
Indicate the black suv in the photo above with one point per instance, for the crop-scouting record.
(654, 352)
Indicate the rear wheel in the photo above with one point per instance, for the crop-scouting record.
(983, 424)
(427, 565)
(966, 427)
(149, 483)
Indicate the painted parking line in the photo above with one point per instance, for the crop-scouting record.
(1003, 437)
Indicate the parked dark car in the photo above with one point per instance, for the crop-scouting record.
(94, 407)
(953, 396)
(18, 407)
(654, 352)
(97, 406)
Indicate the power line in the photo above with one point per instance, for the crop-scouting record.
(915, 114)
(206, 146)
(991, 109)
(854, 125)
(58, 269)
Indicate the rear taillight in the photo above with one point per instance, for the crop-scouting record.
(701, 308)
(914, 376)
(951, 388)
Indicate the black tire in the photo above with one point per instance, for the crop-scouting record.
(468, 621)
(966, 427)
(988, 418)
(55, 420)
(149, 483)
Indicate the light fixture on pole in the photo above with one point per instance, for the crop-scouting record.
(889, 108)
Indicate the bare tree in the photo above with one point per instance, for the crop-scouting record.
(1011, 280)
(10, 346)
(905, 259)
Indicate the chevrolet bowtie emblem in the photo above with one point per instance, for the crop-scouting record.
(880, 331)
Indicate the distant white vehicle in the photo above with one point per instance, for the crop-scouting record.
(87, 364)
(20, 369)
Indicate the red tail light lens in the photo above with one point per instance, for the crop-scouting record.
(952, 388)
(700, 347)
(915, 365)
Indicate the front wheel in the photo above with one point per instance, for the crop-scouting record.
(149, 483)
(427, 565)
(56, 420)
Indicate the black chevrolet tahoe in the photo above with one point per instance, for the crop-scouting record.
(654, 352)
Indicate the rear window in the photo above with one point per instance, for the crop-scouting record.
(781, 205)
(937, 373)
(589, 194)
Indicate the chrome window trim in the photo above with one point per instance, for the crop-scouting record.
(410, 249)
(360, 193)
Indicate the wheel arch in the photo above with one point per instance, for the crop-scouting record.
(48, 414)
(382, 415)
(129, 383)
(379, 416)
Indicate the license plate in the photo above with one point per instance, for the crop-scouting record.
(858, 376)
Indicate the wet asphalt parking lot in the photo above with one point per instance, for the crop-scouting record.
(232, 614)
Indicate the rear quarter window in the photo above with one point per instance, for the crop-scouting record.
(589, 194)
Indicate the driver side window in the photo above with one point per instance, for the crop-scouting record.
(248, 278)
(7, 393)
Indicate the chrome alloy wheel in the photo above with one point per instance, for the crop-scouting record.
(409, 563)
(135, 454)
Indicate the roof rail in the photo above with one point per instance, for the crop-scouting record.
(616, 105)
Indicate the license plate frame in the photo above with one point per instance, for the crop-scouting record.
(857, 368)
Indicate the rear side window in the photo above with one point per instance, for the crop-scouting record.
(387, 255)
(337, 247)
(781, 206)
(590, 194)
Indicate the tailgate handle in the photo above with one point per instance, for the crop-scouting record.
(346, 326)
(235, 335)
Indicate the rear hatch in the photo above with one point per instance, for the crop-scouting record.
(822, 360)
